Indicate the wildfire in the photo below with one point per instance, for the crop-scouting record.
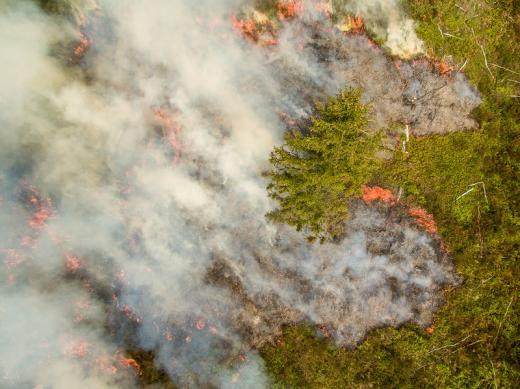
(371, 194)
(287, 119)
(72, 263)
(78, 350)
(130, 362)
(443, 68)
(43, 210)
(171, 129)
(127, 310)
(246, 27)
(289, 8)
(325, 330)
(256, 30)
(430, 329)
(424, 219)
(352, 24)
(82, 46)
(87, 29)
(200, 324)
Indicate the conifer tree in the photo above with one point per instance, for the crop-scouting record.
(314, 173)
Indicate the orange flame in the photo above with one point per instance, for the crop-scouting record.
(444, 68)
(424, 219)
(43, 207)
(200, 324)
(82, 46)
(255, 32)
(376, 193)
(172, 129)
(430, 329)
(289, 8)
(352, 24)
(130, 362)
(247, 28)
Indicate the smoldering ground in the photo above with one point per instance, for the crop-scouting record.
(132, 198)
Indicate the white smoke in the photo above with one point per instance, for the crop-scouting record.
(388, 22)
(135, 229)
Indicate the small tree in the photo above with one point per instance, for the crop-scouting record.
(314, 174)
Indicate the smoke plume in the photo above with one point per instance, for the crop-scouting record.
(388, 22)
(132, 200)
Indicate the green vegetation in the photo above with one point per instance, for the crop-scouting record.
(476, 337)
(315, 173)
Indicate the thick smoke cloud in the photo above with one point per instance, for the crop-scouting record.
(132, 201)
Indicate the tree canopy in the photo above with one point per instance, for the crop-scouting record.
(315, 172)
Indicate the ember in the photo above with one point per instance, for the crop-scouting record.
(72, 263)
(78, 350)
(14, 258)
(105, 365)
(443, 68)
(82, 46)
(325, 330)
(171, 130)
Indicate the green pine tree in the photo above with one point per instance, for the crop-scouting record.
(313, 174)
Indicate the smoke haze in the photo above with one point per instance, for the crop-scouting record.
(132, 199)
